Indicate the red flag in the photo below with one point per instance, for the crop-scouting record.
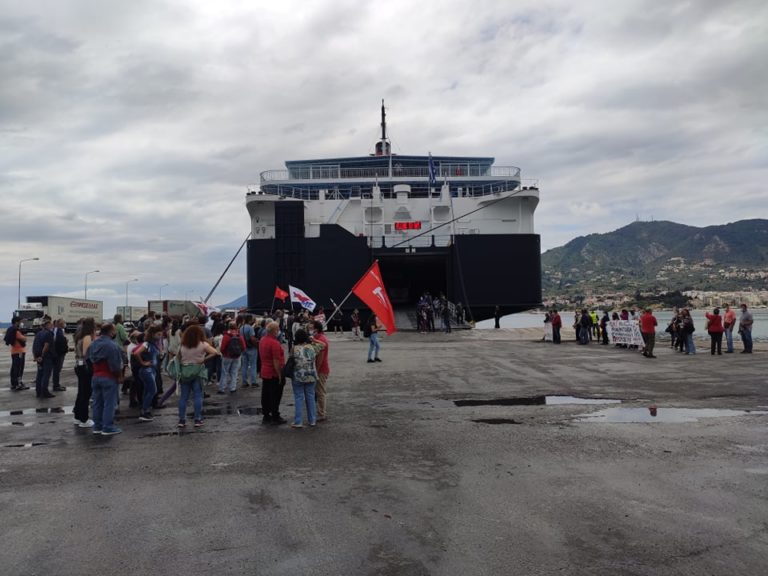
(370, 289)
(280, 294)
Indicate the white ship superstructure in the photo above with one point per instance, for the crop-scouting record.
(392, 204)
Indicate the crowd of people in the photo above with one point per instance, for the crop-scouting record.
(164, 354)
(590, 326)
(429, 308)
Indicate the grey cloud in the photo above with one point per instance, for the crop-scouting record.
(128, 131)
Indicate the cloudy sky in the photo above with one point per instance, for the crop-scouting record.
(129, 130)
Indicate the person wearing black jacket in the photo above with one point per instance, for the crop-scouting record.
(60, 349)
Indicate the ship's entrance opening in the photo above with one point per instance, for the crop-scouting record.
(407, 277)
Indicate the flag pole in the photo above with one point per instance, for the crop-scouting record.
(327, 320)
(272, 309)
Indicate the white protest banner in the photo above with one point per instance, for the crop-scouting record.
(625, 332)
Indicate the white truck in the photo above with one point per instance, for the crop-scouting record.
(175, 308)
(71, 310)
(132, 313)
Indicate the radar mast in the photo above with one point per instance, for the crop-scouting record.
(383, 147)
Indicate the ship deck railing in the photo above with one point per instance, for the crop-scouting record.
(336, 172)
(363, 192)
(426, 241)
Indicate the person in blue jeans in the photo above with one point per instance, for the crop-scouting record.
(251, 354)
(688, 330)
(305, 351)
(193, 354)
(42, 350)
(373, 346)
(107, 362)
(232, 350)
(147, 355)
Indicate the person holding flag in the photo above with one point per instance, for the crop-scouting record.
(372, 330)
(370, 289)
(280, 294)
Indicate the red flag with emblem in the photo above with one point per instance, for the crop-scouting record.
(280, 294)
(370, 289)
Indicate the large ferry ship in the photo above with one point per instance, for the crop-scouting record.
(457, 225)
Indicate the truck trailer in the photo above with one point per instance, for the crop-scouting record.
(175, 308)
(132, 313)
(71, 310)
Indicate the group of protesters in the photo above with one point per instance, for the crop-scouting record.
(590, 326)
(225, 349)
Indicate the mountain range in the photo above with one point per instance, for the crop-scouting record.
(661, 255)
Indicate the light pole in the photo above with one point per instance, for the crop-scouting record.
(161, 290)
(126, 295)
(186, 294)
(18, 302)
(86, 282)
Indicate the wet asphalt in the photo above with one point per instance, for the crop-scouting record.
(401, 479)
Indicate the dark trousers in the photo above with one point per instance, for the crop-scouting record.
(556, 334)
(58, 364)
(83, 399)
(136, 389)
(650, 343)
(43, 376)
(271, 394)
(17, 369)
(717, 342)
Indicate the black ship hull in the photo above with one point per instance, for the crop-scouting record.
(482, 271)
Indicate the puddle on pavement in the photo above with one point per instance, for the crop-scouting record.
(26, 411)
(230, 410)
(536, 401)
(496, 421)
(654, 414)
(15, 423)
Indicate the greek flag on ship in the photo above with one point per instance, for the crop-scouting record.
(432, 171)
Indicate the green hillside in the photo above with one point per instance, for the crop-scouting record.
(661, 256)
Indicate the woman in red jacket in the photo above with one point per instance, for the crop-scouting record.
(715, 329)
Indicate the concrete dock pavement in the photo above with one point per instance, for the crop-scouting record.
(401, 479)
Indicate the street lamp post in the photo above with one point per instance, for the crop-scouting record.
(161, 290)
(126, 294)
(18, 302)
(85, 291)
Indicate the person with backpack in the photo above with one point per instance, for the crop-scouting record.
(60, 349)
(16, 339)
(251, 353)
(232, 348)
